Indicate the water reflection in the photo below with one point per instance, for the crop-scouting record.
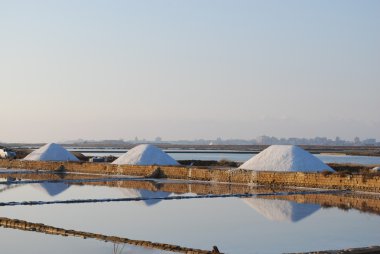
(52, 189)
(15, 190)
(281, 210)
(141, 193)
(7, 187)
(228, 223)
(35, 242)
(121, 248)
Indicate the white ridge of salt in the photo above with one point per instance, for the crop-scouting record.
(285, 158)
(281, 210)
(51, 152)
(146, 155)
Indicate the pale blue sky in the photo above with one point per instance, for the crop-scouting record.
(188, 69)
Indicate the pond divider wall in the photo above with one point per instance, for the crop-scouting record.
(297, 179)
(42, 228)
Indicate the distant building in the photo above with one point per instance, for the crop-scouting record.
(369, 142)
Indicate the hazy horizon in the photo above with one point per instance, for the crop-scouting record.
(188, 69)
(158, 139)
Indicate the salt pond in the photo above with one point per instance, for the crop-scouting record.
(236, 225)
(29, 242)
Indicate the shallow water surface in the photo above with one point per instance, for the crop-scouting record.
(29, 242)
(234, 225)
(277, 222)
(48, 191)
(264, 224)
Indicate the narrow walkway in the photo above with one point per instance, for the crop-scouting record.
(42, 228)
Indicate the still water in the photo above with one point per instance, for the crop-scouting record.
(29, 242)
(235, 225)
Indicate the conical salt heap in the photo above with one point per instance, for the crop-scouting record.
(51, 152)
(286, 158)
(146, 155)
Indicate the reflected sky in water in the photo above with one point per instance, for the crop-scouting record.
(48, 191)
(46, 244)
(235, 225)
(52, 189)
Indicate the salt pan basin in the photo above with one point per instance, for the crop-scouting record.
(235, 225)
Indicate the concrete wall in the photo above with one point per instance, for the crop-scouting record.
(314, 180)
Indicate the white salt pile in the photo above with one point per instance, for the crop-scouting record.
(281, 210)
(145, 155)
(285, 158)
(51, 152)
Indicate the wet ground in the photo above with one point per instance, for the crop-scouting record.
(236, 218)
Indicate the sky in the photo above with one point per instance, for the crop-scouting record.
(191, 69)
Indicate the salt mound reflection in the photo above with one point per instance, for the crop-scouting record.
(52, 189)
(281, 210)
(142, 193)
